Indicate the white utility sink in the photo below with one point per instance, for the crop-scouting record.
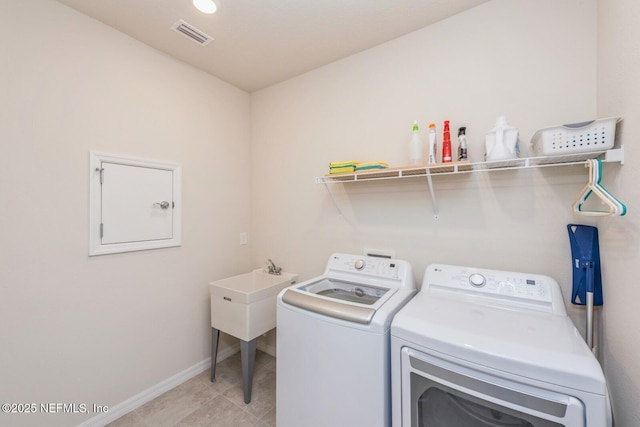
(245, 305)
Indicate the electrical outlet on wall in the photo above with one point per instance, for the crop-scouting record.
(244, 240)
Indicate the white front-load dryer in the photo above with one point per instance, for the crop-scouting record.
(333, 357)
(478, 347)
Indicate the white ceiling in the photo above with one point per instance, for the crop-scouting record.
(261, 42)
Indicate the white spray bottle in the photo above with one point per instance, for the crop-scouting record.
(416, 149)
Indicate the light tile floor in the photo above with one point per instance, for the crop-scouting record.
(199, 402)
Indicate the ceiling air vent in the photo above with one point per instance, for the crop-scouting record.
(193, 33)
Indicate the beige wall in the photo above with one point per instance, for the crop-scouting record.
(618, 94)
(534, 62)
(102, 329)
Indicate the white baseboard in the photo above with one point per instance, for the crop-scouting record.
(151, 393)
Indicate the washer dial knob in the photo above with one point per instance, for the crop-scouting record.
(477, 280)
(359, 264)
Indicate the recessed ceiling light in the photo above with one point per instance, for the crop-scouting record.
(205, 6)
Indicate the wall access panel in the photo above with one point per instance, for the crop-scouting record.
(135, 204)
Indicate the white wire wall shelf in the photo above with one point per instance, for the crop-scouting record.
(615, 155)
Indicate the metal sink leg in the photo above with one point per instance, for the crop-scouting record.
(248, 356)
(215, 337)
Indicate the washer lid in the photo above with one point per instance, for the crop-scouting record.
(527, 343)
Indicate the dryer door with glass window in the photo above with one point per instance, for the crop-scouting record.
(439, 393)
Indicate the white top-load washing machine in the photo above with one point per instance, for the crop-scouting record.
(479, 347)
(332, 365)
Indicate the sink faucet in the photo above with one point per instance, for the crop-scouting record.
(272, 268)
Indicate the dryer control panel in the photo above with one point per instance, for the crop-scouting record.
(534, 290)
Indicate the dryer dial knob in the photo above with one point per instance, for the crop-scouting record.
(359, 265)
(477, 280)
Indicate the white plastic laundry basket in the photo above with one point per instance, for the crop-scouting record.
(584, 137)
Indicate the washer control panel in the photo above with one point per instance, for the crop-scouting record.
(522, 286)
(376, 269)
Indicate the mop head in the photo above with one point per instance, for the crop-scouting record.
(585, 260)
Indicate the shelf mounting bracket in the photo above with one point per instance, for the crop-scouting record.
(615, 155)
(433, 196)
(333, 199)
